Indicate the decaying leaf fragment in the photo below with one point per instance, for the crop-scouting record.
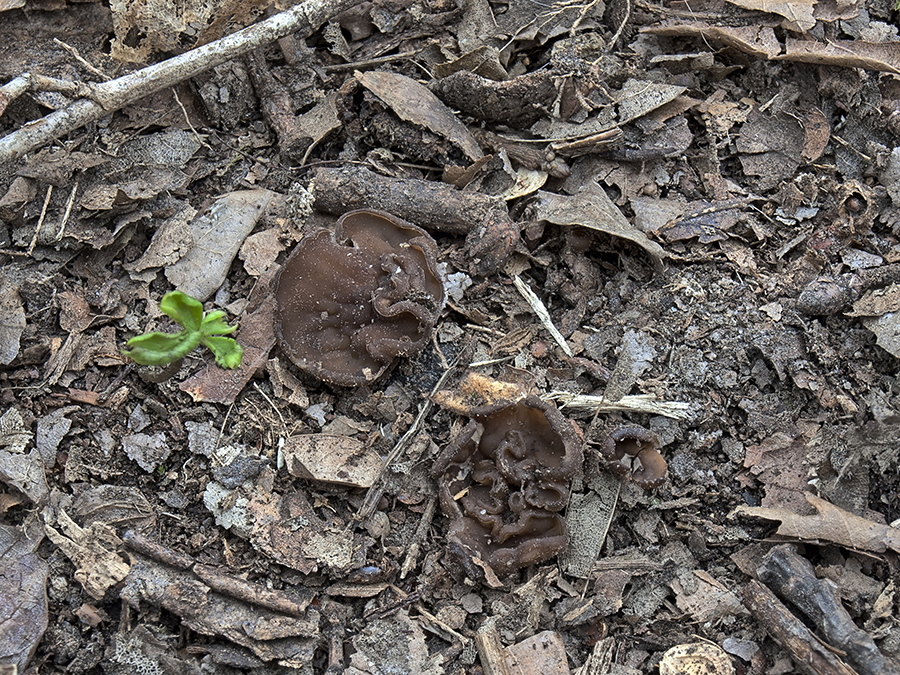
(394, 644)
(23, 598)
(332, 459)
(216, 237)
(830, 523)
(797, 13)
(93, 550)
(881, 311)
(591, 207)
(414, 103)
(24, 472)
(269, 521)
(12, 321)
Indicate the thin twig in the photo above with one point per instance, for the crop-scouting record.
(40, 223)
(541, 310)
(621, 28)
(70, 202)
(377, 488)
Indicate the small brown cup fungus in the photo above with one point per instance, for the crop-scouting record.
(502, 483)
(349, 303)
(633, 452)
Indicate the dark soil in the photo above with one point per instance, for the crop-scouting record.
(713, 229)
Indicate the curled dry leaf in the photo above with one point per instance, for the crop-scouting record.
(592, 208)
(830, 523)
(414, 103)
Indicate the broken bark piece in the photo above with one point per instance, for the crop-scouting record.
(793, 577)
(491, 233)
(809, 654)
(503, 482)
(516, 103)
(278, 108)
(273, 625)
(351, 301)
(541, 654)
(696, 658)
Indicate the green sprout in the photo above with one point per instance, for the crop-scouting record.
(198, 328)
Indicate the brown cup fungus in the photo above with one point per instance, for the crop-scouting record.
(349, 303)
(633, 453)
(503, 482)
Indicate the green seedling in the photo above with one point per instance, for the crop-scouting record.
(198, 328)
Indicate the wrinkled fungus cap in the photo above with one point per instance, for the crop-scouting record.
(502, 483)
(632, 452)
(349, 303)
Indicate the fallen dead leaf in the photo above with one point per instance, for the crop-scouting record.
(414, 103)
(93, 550)
(591, 207)
(880, 56)
(12, 321)
(395, 644)
(332, 459)
(217, 236)
(757, 40)
(24, 472)
(798, 13)
(23, 598)
(829, 523)
(780, 464)
(256, 335)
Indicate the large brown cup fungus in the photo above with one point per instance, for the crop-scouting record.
(349, 303)
(633, 453)
(503, 482)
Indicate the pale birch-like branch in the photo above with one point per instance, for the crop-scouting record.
(541, 310)
(107, 97)
(640, 403)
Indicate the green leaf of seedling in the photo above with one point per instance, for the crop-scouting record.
(160, 349)
(185, 310)
(213, 324)
(228, 353)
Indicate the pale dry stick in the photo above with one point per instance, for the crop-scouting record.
(40, 223)
(107, 97)
(645, 403)
(87, 65)
(541, 310)
(34, 82)
(70, 202)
